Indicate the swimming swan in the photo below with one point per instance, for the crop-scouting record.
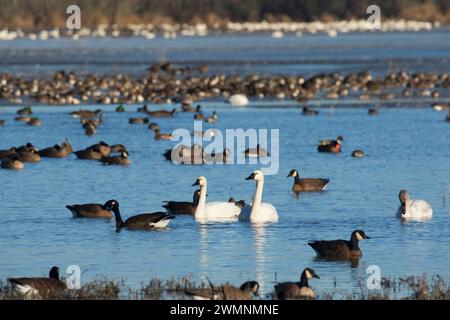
(213, 211)
(413, 209)
(258, 212)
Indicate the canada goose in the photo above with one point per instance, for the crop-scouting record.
(39, 286)
(102, 147)
(23, 119)
(213, 118)
(162, 136)
(145, 221)
(89, 130)
(258, 211)
(413, 209)
(153, 126)
(119, 148)
(339, 249)
(91, 153)
(57, 151)
(331, 146)
(238, 100)
(213, 211)
(89, 210)
(256, 152)
(297, 290)
(86, 113)
(27, 148)
(8, 152)
(175, 207)
(225, 292)
(307, 184)
(28, 156)
(309, 111)
(12, 163)
(358, 154)
(373, 112)
(25, 110)
(118, 160)
(138, 120)
(120, 108)
(162, 113)
(35, 122)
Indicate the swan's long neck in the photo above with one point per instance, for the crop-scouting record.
(201, 201)
(257, 198)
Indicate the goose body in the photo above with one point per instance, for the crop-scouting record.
(258, 211)
(12, 164)
(297, 290)
(89, 154)
(340, 249)
(116, 160)
(144, 221)
(86, 113)
(8, 152)
(38, 286)
(180, 207)
(213, 211)
(162, 136)
(413, 209)
(225, 292)
(28, 156)
(256, 152)
(89, 210)
(307, 184)
(57, 151)
(162, 113)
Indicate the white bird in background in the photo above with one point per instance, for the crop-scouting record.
(413, 209)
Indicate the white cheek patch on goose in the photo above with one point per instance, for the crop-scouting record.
(294, 174)
(308, 274)
(358, 236)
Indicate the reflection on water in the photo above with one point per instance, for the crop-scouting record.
(260, 260)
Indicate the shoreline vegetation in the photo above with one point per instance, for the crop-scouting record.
(46, 19)
(102, 288)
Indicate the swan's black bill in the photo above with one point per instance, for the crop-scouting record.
(250, 177)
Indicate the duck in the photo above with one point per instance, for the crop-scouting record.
(413, 209)
(340, 249)
(331, 146)
(25, 110)
(297, 290)
(176, 207)
(213, 211)
(86, 113)
(258, 211)
(57, 151)
(120, 108)
(306, 111)
(39, 286)
(238, 100)
(144, 109)
(162, 136)
(373, 112)
(90, 130)
(23, 119)
(12, 163)
(256, 152)
(138, 120)
(89, 210)
(246, 291)
(162, 113)
(153, 126)
(358, 154)
(213, 118)
(144, 221)
(116, 160)
(307, 184)
(35, 122)
(90, 153)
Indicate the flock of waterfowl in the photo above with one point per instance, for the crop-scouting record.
(194, 88)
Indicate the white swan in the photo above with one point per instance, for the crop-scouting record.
(213, 211)
(258, 212)
(238, 100)
(413, 209)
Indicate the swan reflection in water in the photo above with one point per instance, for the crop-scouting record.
(259, 233)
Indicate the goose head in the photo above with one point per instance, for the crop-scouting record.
(111, 205)
(359, 235)
(403, 197)
(250, 286)
(201, 181)
(292, 173)
(54, 273)
(256, 175)
(309, 273)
